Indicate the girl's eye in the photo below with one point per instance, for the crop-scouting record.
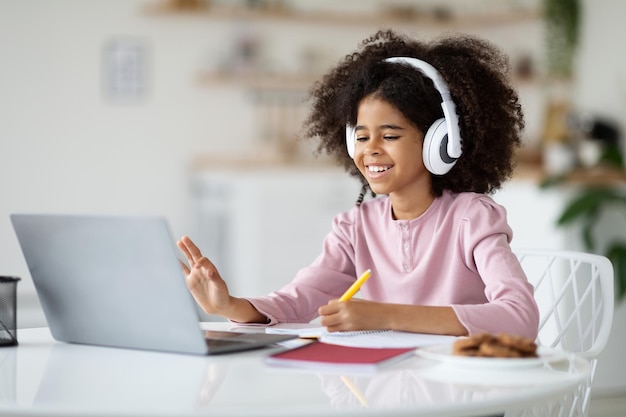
(389, 137)
(361, 138)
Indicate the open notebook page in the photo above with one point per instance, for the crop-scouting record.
(367, 338)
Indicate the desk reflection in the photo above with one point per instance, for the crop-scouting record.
(8, 363)
(128, 379)
(81, 380)
(403, 388)
(428, 383)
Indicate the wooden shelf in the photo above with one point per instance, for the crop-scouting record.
(263, 158)
(582, 177)
(597, 176)
(286, 81)
(438, 18)
(274, 82)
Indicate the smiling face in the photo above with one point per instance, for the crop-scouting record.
(388, 152)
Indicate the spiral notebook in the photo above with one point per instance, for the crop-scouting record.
(363, 338)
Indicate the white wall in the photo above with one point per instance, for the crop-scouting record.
(64, 147)
(601, 63)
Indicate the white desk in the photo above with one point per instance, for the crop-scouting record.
(43, 377)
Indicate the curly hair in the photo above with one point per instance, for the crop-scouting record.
(477, 74)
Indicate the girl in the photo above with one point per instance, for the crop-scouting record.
(431, 128)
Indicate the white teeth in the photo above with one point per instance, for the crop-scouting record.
(377, 169)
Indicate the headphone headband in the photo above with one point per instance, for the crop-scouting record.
(426, 69)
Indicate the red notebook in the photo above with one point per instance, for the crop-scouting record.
(325, 356)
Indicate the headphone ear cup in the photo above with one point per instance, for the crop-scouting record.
(435, 149)
(350, 140)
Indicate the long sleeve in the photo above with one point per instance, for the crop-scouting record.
(509, 304)
(455, 254)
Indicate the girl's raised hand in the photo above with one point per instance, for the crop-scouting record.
(203, 279)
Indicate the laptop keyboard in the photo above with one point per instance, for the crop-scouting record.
(213, 343)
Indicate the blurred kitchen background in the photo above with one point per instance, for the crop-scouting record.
(190, 109)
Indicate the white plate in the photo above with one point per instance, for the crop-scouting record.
(443, 353)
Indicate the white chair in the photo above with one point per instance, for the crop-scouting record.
(575, 295)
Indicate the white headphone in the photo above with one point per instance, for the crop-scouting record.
(442, 142)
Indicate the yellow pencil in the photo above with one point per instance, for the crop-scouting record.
(356, 285)
(353, 388)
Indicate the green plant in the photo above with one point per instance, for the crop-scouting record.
(588, 208)
(562, 19)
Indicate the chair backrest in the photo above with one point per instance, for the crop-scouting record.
(575, 295)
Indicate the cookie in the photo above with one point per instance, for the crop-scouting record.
(525, 345)
(493, 349)
(502, 345)
(469, 346)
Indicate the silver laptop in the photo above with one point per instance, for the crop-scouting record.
(116, 281)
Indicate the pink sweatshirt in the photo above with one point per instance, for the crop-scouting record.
(455, 254)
